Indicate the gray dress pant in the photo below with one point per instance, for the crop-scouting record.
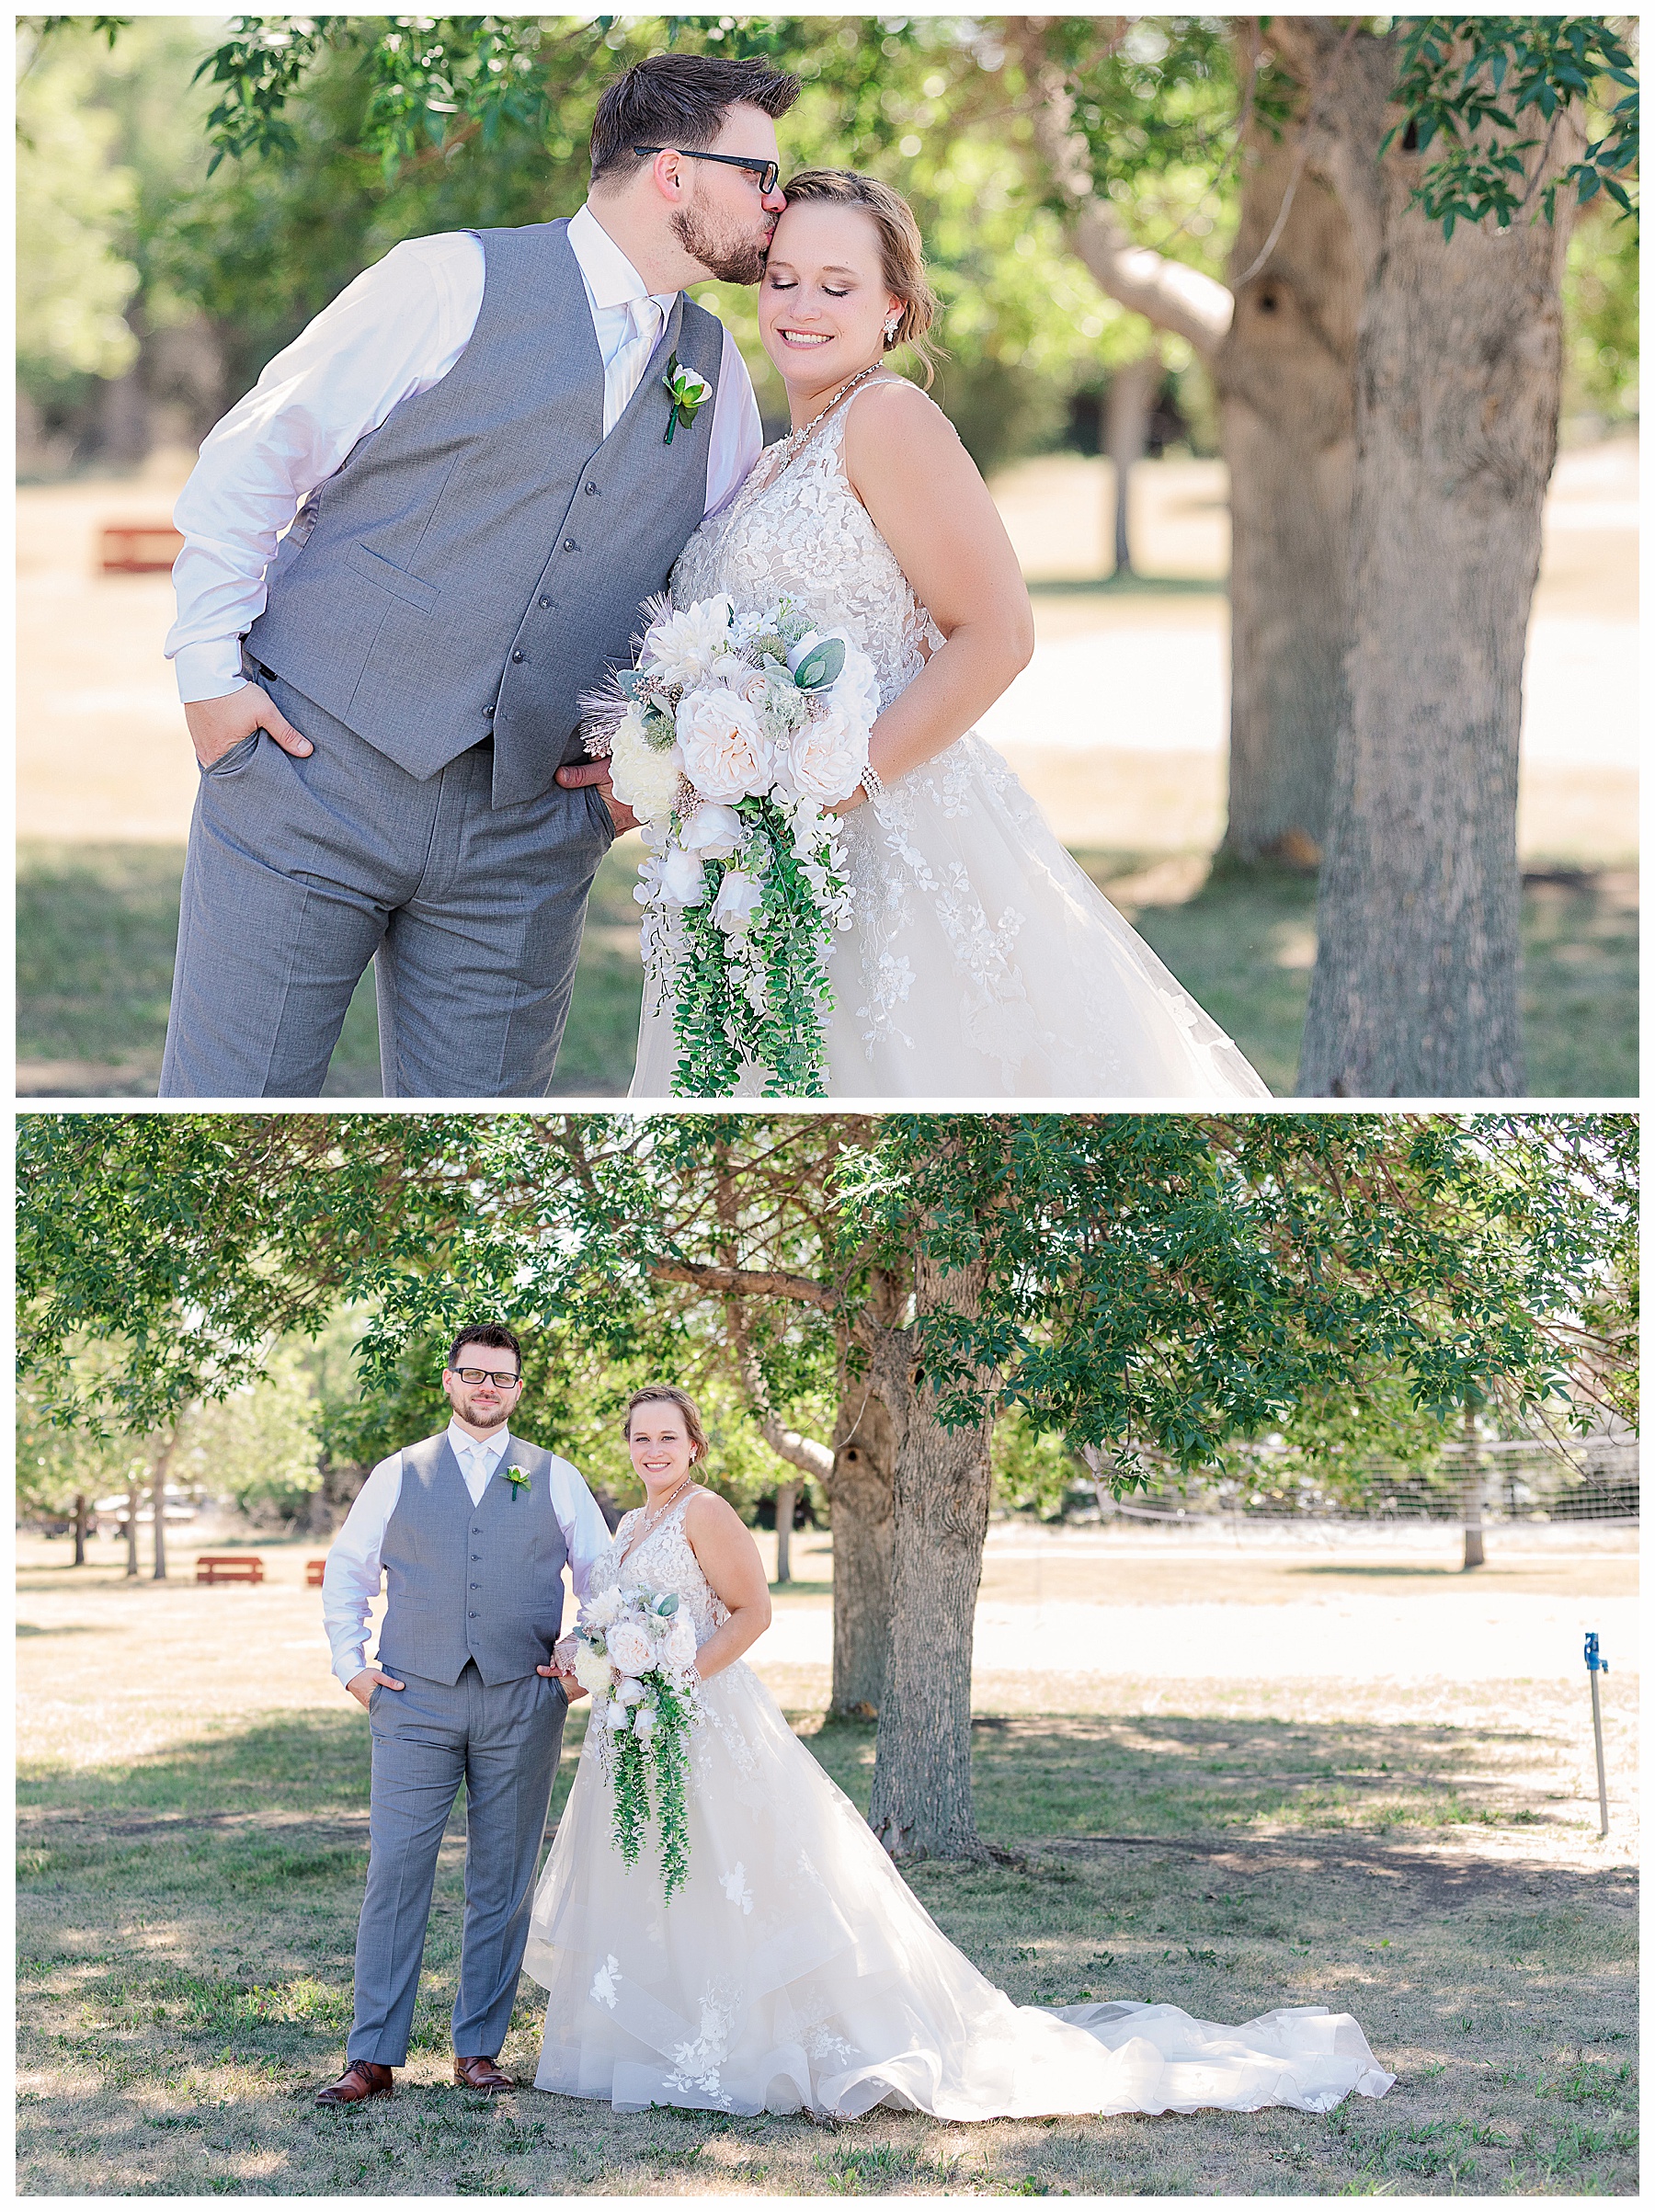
(503, 1742)
(303, 871)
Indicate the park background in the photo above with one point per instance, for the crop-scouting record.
(1260, 1732)
(152, 292)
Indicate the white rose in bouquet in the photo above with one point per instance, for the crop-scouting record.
(629, 1647)
(630, 1692)
(856, 687)
(644, 779)
(683, 878)
(617, 1716)
(683, 645)
(713, 831)
(727, 753)
(737, 901)
(828, 754)
(680, 1642)
(644, 1724)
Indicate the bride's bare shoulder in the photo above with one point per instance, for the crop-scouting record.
(708, 1512)
(896, 428)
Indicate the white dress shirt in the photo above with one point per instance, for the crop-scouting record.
(396, 330)
(350, 1580)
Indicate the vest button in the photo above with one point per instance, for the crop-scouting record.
(470, 1617)
(488, 713)
(569, 545)
(592, 490)
(546, 602)
(517, 653)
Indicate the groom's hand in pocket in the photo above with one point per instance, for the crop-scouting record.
(215, 725)
(597, 771)
(362, 1686)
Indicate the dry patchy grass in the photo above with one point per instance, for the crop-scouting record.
(1424, 1859)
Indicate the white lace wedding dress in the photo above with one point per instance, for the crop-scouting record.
(982, 961)
(795, 1969)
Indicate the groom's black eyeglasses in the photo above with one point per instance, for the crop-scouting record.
(473, 1376)
(766, 172)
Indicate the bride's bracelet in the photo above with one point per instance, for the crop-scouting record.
(871, 780)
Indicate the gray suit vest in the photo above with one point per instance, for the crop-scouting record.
(480, 559)
(466, 1581)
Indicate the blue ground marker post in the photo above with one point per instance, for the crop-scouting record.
(1594, 1667)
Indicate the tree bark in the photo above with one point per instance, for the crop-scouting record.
(80, 1528)
(922, 1801)
(861, 1491)
(1128, 407)
(1459, 366)
(787, 1498)
(1285, 379)
(158, 1498)
(1473, 1502)
(131, 1528)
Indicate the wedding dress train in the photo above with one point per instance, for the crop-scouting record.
(983, 962)
(796, 1970)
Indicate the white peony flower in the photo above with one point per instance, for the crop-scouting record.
(727, 753)
(680, 1642)
(828, 754)
(629, 1647)
(593, 1671)
(739, 900)
(684, 880)
(644, 779)
(683, 645)
(713, 831)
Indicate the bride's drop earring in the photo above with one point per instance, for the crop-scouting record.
(890, 329)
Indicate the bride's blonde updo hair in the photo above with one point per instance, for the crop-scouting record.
(901, 248)
(670, 1395)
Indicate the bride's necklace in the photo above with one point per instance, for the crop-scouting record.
(651, 1518)
(788, 448)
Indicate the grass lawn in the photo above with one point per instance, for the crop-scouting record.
(97, 926)
(192, 1830)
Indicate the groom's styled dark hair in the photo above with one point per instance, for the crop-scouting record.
(679, 99)
(495, 1334)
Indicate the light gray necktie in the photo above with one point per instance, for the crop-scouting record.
(626, 372)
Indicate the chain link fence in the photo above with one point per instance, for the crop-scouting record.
(1512, 1484)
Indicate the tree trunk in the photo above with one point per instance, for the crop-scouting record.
(1285, 379)
(860, 1492)
(80, 1528)
(1459, 361)
(132, 1529)
(921, 1802)
(158, 1497)
(787, 1496)
(1473, 1504)
(1128, 407)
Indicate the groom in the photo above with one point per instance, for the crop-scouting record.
(472, 1529)
(385, 705)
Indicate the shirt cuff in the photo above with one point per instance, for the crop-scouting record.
(211, 670)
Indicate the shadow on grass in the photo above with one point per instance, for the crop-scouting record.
(186, 1922)
(97, 927)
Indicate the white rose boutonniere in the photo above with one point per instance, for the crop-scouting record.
(690, 392)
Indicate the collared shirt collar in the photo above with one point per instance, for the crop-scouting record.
(610, 277)
(495, 1447)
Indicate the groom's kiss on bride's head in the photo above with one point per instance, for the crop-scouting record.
(409, 552)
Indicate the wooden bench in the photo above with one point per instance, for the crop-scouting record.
(139, 549)
(229, 1566)
(314, 1571)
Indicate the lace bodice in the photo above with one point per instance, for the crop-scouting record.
(802, 529)
(662, 1561)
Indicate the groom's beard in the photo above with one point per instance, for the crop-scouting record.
(732, 258)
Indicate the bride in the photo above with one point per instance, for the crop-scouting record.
(982, 959)
(795, 1970)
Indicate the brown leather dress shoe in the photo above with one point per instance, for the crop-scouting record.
(360, 2080)
(483, 2076)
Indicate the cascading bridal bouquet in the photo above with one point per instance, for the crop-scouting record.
(636, 1653)
(727, 739)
